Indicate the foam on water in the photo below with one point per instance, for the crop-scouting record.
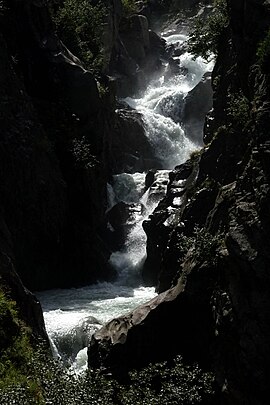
(73, 315)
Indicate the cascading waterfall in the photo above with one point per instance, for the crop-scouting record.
(129, 188)
(73, 315)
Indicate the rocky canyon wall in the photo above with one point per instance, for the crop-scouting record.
(210, 262)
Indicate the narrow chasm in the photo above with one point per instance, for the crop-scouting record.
(134, 202)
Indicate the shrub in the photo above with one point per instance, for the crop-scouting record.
(15, 347)
(205, 35)
(238, 109)
(206, 245)
(129, 7)
(82, 155)
(168, 383)
(263, 50)
(79, 25)
(201, 245)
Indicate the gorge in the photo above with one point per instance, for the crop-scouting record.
(68, 311)
(90, 149)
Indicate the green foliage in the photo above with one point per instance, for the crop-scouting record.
(206, 245)
(82, 154)
(161, 383)
(201, 245)
(183, 245)
(15, 348)
(263, 50)
(238, 109)
(79, 25)
(129, 7)
(196, 155)
(174, 383)
(205, 35)
(102, 90)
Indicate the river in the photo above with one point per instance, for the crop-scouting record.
(73, 315)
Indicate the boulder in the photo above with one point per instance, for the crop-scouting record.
(150, 333)
(160, 225)
(134, 32)
(197, 103)
(136, 56)
(131, 148)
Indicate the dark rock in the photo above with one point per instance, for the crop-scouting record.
(136, 56)
(149, 179)
(118, 214)
(54, 128)
(118, 217)
(134, 340)
(28, 306)
(179, 50)
(162, 222)
(172, 106)
(197, 104)
(130, 146)
(221, 282)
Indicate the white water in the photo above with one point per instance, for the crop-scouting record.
(68, 313)
(73, 315)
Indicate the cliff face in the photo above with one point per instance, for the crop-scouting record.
(61, 139)
(53, 168)
(210, 260)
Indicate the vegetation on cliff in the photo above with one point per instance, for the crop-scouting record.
(206, 33)
(224, 250)
(79, 25)
(16, 350)
(42, 381)
(129, 6)
(263, 50)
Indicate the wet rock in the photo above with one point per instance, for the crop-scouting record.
(197, 104)
(130, 145)
(137, 55)
(149, 179)
(164, 219)
(118, 214)
(134, 340)
(121, 218)
(220, 292)
(172, 106)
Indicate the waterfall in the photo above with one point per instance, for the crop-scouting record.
(130, 188)
(73, 315)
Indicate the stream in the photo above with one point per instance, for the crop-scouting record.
(73, 315)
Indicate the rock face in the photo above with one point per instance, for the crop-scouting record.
(29, 308)
(131, 150)
(60, 142)
(53, 164)
(136, 55)
(209, 257)
(197, 104)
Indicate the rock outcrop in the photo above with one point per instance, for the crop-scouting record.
(210, 261)
(53, 160)
(131, 150)
(197, 104)
(61, 140)
(137, 55)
